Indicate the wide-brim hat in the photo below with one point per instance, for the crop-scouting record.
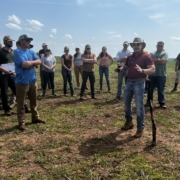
(138, 40)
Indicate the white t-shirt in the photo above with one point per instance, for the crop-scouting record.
(48, 61)
(78, 60)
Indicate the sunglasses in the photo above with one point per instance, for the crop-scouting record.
(136, 44)
(27, 40)
(160, 45)
(88, 48)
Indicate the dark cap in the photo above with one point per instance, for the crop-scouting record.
(66, 48)
(24, 36)
(77, 49)
(87, 46)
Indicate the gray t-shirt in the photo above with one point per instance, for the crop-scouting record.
(160, 68)
(78, 60)
(48, 61)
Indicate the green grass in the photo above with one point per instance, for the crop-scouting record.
(83, 140)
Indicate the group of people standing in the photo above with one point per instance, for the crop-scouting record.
(134, 67)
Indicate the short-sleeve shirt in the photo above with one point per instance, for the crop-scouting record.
(78, 60)
(23, 75)
(143, 60)
(48, 61)
(178, 59)
(67, 61)
(122, 54)
(88, 67)
(6, 57)
(160, 68)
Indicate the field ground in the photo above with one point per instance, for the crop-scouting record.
(83, 140)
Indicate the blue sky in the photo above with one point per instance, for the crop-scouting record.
(96, 22)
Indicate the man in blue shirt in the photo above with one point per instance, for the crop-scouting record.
(25, 60)
(121, 59)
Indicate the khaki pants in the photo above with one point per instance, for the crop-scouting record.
(21, 92)
(77, 70)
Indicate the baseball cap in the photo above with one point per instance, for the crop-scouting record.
(76, 49)
(44, 44)
(7, 38)
(24, 36)
(126, 42)
(87, 46)
(66, 48)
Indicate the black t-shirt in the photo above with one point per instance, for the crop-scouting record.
(178, 59)
(68, 61)
(41, 52)
(6, 57)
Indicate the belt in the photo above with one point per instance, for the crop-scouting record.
(133, 80)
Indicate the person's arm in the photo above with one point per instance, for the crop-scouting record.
(123, 59)
(150, 69)
(94, 60)
(118, 57)
(160, 60)
(62, 62)
(123, 69)
(176, 65)
(42, 63)
(98, 58)
(54, 64)
(112, 60)
(72, 62)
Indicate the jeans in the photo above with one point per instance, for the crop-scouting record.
(67, 77)
(5, 82)
(121, 75)
(48, 76)
(158, 81)
(104, 70)
(91, 77)
(135, 88)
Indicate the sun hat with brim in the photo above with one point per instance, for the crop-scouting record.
(138, 40)
(7, 38)
(25, 36)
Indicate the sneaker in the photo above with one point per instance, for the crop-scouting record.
(22, 126)
(163, 106)
(7, 113)
(174, 89)
(86, 88)
(73, 95)
(36, 121)
(138, 134)
(109, 91)
(94, 97)
(128, 126)
(118, 98)
(27, 110)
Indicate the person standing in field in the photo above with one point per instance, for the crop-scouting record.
(89, 59)
(160, 58)
(177, 70)
(48, 63)
(25, 60)
(139, 65)
(121, 59)
(104, 57)
(41, 53)
(6, 76)
(67, 66)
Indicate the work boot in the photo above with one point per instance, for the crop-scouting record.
(27, 110)
(128, 126)
(138, 134)
(36, 121)
(44, 93)
(22, 126)
(53, 93)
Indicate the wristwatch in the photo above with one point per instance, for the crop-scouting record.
(142, 70)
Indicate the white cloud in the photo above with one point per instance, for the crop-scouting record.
(54, 31)
(68, 36)
(35, 26)
(175, 38)
(116, 36)
(136, 34)
(111, 32)
(106, 5)
(157, 16)
(13, 26)
(81, 2)
(51, 36)
(14, 19)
